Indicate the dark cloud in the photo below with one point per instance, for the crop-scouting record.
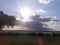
(37, 26)
(44, 19)
(37, 23)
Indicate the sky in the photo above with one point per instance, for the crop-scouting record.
(45, 8)
(51, 7)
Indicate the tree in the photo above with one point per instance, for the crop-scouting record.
(6, 20)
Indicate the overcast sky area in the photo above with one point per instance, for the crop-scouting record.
(48, 9)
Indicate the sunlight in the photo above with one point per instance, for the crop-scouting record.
(17, 17)
(24, 20)
(26, 13)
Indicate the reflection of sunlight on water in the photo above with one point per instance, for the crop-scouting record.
(17, 28)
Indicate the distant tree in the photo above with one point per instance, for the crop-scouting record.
(6, 20)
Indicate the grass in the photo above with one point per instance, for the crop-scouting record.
(30, 40)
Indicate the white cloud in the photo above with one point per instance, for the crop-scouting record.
(57, 27)
(40, 11)
(41, 17)
(53, 24)
(17, 17)
(45, 1)
(54, 18)
(50, 24)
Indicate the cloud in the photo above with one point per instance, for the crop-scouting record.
(45, 1)
(17, 17)
(41, 11)
(53, 18)
(57, 27)
(52, 23)
(40, 23)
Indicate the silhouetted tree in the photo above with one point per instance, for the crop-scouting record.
(6, 20)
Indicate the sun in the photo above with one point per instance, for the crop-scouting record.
(25, 12)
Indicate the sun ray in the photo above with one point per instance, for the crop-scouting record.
(25, 12)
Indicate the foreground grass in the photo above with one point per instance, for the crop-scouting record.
(29, 40)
